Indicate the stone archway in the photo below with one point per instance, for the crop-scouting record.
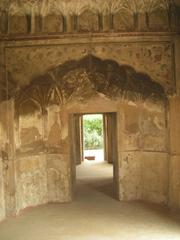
(95, 85)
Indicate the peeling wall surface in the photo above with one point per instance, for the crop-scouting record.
(7, 156)
(2, 202)
(45, 79)
(2, 207)
(31, 181)
(175, 153)
(174, 128)
(144, 159)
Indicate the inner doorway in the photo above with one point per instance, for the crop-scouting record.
(83, 158)
(93, 138)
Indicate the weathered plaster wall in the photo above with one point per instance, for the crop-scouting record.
(174, 194)
(31, 181)
(2, 203)
(58, 178)
(58, 159)
(177, 63)
(144, 159)
(174, 127)
(7, 154)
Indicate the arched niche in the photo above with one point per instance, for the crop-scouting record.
(144, 21)
(4, 22)
(158, 20)
(29, 128)
(123, 21)
(53, 23)
(38, 23)
(55, 139)
(30, 161)
(18, 24)
(88, 21)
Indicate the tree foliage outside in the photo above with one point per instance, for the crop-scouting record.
(93, 132)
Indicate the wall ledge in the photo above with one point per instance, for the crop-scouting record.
(44, 36)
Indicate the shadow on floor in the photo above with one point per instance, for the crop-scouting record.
(104, 186)
(96, 176)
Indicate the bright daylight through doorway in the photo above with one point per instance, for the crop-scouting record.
(93, 138)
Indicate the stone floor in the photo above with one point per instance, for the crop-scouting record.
(94, 215)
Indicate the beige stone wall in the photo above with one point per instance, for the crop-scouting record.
(177, 63)
(31, 181)
(144, 163)
(7, 156)
(174, 125)
(174, 193)
(58, 178)
(42, 160)
(2, 203)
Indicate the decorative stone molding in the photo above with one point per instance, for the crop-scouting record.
(103, 10)
(66, 7)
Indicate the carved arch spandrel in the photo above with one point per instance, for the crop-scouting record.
(84, 78)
